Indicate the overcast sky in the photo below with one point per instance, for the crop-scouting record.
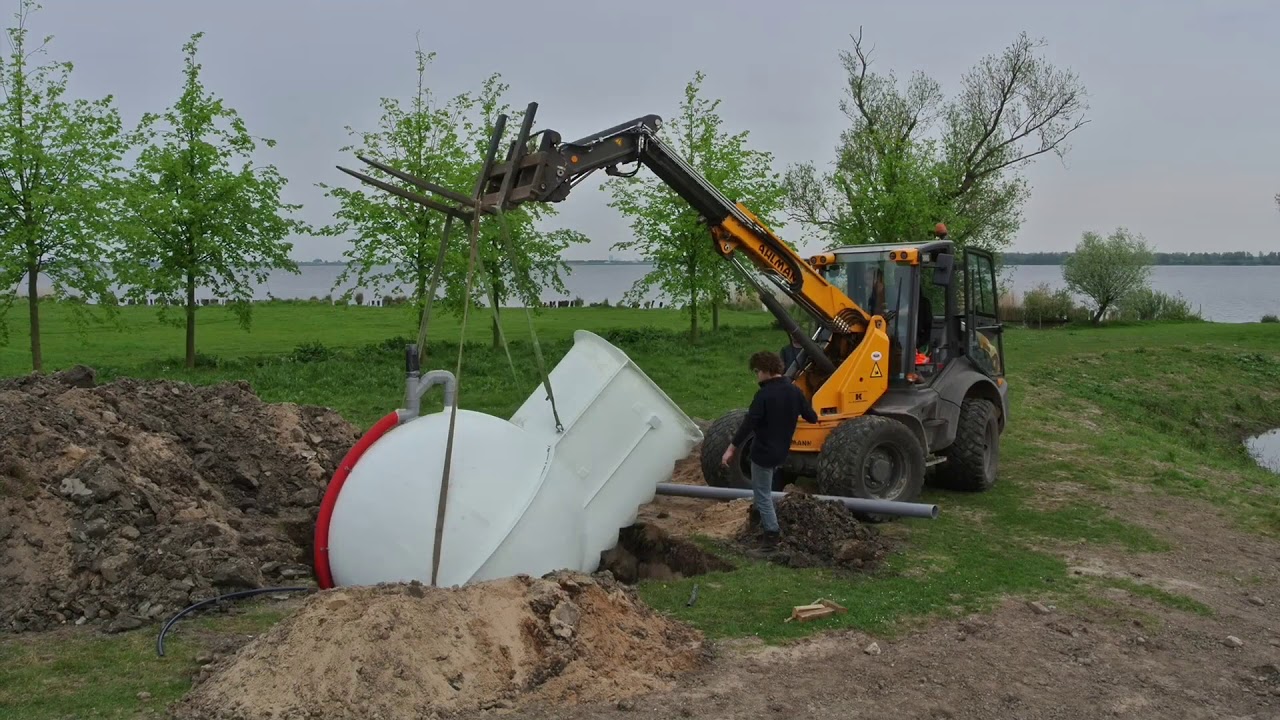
(1183, 144)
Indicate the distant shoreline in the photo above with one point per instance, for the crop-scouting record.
(329, 263)
(1225, 259)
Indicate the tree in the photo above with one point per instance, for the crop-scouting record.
(202, 215)
(1108, 270)
(666, 229)
(911, 158)
(58, 159)
(395, 241)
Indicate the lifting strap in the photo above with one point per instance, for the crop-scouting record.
(431, 296)
(453, 413)
(502, 337)
(537, 348)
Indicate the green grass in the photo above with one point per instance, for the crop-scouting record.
(1164, 597)
(1096, 414)
(78, 674)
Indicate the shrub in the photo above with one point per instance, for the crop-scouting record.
(1270, 318)
(1145, 304)
(307, 352)
(1041, 305)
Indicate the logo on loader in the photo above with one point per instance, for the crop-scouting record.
(776, 261)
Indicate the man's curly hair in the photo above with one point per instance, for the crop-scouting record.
(767, 362)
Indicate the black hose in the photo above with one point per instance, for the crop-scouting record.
(229, 596)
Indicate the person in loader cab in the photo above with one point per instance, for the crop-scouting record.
(770, 422)
(789, 353)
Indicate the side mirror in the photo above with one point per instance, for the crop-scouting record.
(942, 269)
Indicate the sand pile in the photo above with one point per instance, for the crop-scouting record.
(409, 651)
(124, 502)
(822, 533)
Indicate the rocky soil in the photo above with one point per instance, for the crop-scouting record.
(409, 651)
(123, 502)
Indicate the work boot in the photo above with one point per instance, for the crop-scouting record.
(772, 538)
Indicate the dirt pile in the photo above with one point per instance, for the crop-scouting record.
(409, 651)
(821, 533)
(123, 502)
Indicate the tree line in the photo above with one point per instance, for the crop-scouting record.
(183, 201)
(1157, 258)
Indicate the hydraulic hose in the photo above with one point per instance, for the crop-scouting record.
(380, 428)
(210, 601)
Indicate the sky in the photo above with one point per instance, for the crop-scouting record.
(1182, 144)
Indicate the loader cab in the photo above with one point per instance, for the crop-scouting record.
(937, 306)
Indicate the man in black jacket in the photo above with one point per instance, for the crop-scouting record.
(771, 420)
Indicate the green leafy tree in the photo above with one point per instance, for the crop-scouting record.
(666, 229)
(1107, 270)
(911, 158)
(202, 213)
(58, 159)
(395, 242)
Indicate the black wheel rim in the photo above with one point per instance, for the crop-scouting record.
(990, 442)
(884, 472)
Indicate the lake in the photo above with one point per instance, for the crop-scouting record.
(1221, 293)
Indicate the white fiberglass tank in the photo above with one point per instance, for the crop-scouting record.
(522, 497)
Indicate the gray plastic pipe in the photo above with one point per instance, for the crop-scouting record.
(883, 507)
(416, 387)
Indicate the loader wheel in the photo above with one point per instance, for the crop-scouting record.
(974, 458)
(714, 442)
(872, 457)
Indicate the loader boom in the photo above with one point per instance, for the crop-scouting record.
(548, 174)
(849, 344)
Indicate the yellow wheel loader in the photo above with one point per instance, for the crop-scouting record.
(903, 360)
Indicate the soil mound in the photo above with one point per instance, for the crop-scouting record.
(822, 533)
(409, 651)
(123, 502)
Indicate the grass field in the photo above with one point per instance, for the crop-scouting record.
(1107, 412)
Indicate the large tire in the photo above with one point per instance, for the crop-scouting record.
(872, 457)
(714, 442)
(973, 460)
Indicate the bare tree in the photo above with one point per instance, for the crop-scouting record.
(911, 157)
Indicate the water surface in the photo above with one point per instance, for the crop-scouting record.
(1265, 449)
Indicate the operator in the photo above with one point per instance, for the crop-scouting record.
(789, 353)
(770, 422)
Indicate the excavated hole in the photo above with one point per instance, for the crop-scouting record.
(645, 552)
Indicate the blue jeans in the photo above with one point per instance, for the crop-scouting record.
(762, 485)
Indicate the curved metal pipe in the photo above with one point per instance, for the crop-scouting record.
(883, 507)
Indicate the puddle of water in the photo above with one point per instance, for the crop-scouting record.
(1265, 448)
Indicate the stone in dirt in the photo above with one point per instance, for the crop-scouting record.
(400, 651)
(129, 500)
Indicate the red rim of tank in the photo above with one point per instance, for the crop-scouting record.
(323, 575)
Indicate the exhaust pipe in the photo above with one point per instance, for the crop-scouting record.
(883, 507)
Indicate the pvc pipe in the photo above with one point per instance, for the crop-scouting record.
(884, 507)
(380, 428)
(417, 385)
